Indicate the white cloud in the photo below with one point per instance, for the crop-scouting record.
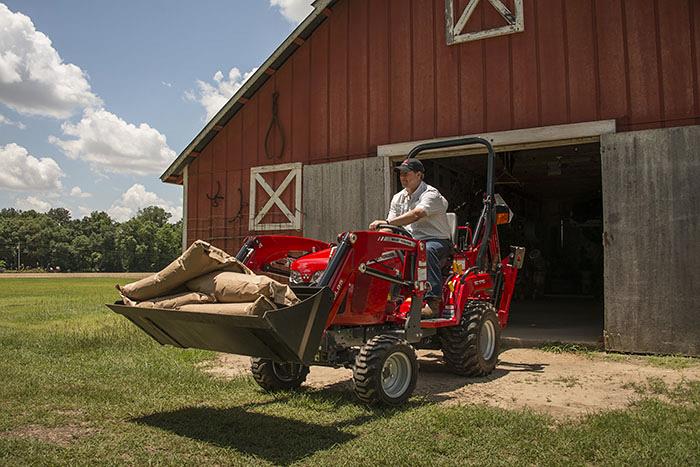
(109, 144)
(6, 121)
(294, 10)
(167, 84)
(77, 192)
(32, 203)
(136, 198)
(23, 172)
(214, 96)
(84, 211)
(33, 78)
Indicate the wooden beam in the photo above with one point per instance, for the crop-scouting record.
(299, 41)
(270, 71)
(243, 100)
(511, 140)
(217, 128)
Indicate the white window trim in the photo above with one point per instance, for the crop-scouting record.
(256, 178)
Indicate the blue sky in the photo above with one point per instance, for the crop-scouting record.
(98, 97)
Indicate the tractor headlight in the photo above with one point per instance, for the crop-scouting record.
(317, 275)
(295, 277)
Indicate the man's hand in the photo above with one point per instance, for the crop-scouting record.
(377, 223)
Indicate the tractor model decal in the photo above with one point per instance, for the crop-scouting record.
(401, 241)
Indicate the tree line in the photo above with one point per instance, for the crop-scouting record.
(53, 241)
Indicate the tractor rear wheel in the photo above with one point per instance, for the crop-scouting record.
(471, 348)
(386, 371)
(275, 376)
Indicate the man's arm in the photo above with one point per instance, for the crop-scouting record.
(404, 219)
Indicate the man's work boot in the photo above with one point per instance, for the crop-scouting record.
(431, 309)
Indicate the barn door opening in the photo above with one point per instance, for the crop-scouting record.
(556, 196)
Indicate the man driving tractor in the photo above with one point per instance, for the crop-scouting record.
(422, 210)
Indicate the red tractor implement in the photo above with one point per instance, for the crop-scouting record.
(361, 305)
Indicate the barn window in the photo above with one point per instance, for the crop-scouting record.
(455, 31)
(275, 205)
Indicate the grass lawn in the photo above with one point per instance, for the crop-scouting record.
(80, 385)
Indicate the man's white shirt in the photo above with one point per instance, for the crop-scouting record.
(434, 225)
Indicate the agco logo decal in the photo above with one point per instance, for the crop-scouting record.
(402, 241)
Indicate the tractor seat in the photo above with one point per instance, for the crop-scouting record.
(452, 222)
(446, 264)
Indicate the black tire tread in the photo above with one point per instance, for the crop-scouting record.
(264, 375)
(368, 367)
(460, 343)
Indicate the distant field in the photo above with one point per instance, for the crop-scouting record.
(64, 275)
(82, 386)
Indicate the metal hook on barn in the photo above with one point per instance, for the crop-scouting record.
(218, 196)
(274, 123)
(241, 207)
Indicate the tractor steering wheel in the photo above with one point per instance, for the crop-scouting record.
(397, 229)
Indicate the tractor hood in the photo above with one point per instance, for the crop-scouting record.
(305, 268)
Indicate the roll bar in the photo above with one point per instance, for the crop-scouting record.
(487, 215)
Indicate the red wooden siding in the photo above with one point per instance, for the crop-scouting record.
(379, 72)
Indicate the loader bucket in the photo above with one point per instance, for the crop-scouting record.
(290, 334)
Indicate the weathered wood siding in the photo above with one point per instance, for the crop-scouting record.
(342, 196)
(651, 199)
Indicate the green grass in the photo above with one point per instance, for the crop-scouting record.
(672, 362)
(82, 386)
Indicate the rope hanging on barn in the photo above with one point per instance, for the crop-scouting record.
(274, 123)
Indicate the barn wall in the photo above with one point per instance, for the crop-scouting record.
(342, 196)
(379, 72)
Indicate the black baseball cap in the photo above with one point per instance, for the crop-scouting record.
(410, 165)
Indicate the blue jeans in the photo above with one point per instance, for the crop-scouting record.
(436, 252)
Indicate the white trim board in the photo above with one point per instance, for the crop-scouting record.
(511, 140)
(185, 185)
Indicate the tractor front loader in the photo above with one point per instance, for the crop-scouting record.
(361, 305)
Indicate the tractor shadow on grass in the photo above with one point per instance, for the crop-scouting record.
(279, 440)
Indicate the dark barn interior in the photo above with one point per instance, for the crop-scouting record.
(555, 194)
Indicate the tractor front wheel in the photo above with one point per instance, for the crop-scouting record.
(386, 371)
(275, 376)
(471, 348)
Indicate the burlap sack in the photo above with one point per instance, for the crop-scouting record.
(172, 301)
(257, 308)
(200, 258)
(232, 287)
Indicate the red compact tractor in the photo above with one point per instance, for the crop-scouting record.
(361, 305)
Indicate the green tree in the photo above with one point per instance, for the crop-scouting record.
(146, 242)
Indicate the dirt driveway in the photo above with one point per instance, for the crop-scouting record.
(564, 385)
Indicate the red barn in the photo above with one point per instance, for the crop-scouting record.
(592, 105)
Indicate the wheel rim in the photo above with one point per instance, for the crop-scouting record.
(487, 340)
(285, 371)
(396, 374)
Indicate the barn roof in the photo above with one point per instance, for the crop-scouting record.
(173, 174)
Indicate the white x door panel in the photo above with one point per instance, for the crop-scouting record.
(291, 213)
(514, 20)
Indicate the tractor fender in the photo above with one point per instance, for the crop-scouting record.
(472, 285)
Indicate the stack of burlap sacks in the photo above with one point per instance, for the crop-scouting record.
(206, 279)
